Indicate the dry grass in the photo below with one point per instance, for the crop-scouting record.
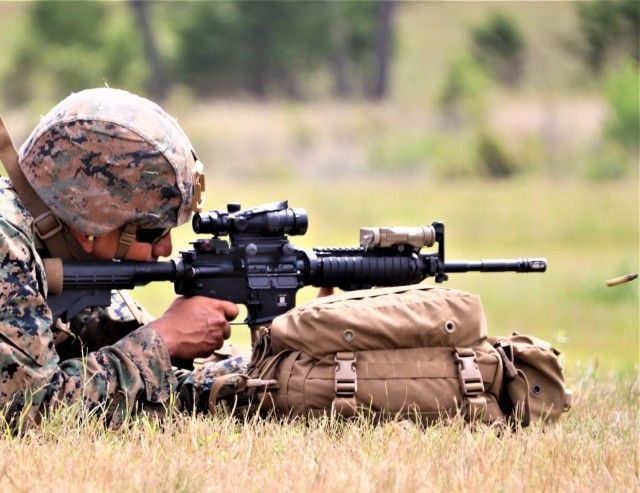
(593, 448)
(588, 231)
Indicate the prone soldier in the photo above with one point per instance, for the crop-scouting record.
(105, 175)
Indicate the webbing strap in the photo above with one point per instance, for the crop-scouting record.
(507, 360)
(244, 383)
(8, 152)
(47, 227)
(127, 237)
(217, 386)
(518, 384)
(281, 399)
(140, 316)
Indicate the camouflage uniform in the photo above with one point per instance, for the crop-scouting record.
(135, 370)
(130, 150)
(195, 386)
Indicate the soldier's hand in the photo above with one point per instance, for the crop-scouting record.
(195, 327)
(322, 292)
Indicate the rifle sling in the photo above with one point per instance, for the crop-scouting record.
(47, 227)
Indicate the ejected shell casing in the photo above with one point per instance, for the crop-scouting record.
(621, 280)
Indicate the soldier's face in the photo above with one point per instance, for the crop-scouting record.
(104, 247)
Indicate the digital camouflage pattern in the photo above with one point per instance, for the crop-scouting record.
(105, 157)
(100, 159)
(133, 372)
(125, 368)
(196, 386)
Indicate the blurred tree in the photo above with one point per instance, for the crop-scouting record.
(282, 48)
(494, 160)
(156, 81)
(69, 46)
(607, 32)
(263, 48)
(500, 46)
(461, 97)
(361, 47)
(259, 47)
(622, 93)
(383, 46)
(284, 41)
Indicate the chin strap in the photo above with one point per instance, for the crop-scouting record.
(127, 237)
(47, 228)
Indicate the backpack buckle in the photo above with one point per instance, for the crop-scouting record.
(469, 374)
(346, 382)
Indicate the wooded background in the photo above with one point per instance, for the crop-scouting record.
(523, 86)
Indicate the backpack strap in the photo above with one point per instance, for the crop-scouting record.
(474, 404)
(47, 227)
(516, 384)
(8, 152)
(287, 359)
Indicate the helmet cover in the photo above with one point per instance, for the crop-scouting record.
(105, 157)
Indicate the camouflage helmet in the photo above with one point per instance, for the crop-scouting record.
(103, 158)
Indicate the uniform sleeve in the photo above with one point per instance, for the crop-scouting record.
(133, 372)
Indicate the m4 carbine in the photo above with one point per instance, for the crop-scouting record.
(258, 267)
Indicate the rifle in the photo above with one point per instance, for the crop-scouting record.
(258, 267)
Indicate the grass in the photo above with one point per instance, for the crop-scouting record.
(593, 448)
(587, 230)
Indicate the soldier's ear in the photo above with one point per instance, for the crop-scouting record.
(86, 242)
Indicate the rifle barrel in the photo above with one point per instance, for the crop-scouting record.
(497, 265)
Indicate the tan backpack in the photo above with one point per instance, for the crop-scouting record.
(411, 352)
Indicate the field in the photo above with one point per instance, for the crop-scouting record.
(588, 231)
(593, 448)
(355, 164)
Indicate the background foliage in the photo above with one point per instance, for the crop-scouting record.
(516, 123)
(457, 66)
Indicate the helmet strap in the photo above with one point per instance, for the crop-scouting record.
(127, 237)
(47, 227)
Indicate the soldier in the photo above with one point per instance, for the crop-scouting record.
(116, 173)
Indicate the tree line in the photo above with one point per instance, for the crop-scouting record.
(262, 49)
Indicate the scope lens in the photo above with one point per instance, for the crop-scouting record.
(209, 223)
